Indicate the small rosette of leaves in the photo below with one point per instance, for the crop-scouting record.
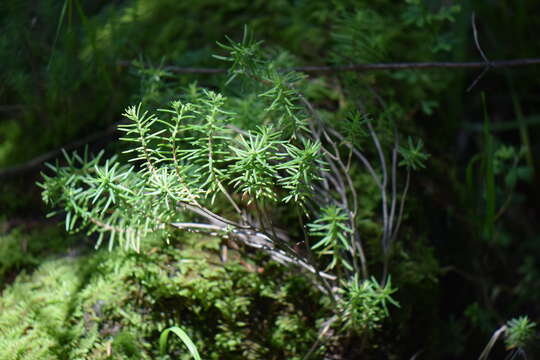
(254, 169)
(244, 56)
(301, 171)
(281, 97)
(413, 155)
(519, 333)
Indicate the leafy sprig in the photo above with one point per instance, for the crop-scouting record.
(365, 303)
(413, 155)
(255, 164)
(335, 241)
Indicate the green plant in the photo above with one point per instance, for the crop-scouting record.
(366, 304)
(25, 249)
(332, 229)
(71, 64)
(519, 333)
(193, 169)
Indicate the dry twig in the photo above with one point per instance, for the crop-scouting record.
(367, 67)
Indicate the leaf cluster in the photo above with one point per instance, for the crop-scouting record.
(366, 304)
(520, 332)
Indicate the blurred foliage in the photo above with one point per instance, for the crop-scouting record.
(58, 55)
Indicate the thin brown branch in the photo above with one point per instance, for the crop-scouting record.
(11, 108)
(368, 67)
(36, 162)
(418, 65)
(39, 160)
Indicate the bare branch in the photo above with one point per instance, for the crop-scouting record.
(492, 342)
(39, 160)
(393, 200)
(36, 162)
(487, 63)
(402, 206)
(256, 240)
(383, 187)
(358, 154)
(368, 67)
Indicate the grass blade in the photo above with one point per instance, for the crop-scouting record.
(183, 336)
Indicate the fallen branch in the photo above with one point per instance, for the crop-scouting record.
(368, 67)
(39, 160)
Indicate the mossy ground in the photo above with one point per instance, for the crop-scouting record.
(115, 304)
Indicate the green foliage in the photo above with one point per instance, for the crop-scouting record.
(518, 333)
(45, 77)
(33, 311)
(332, 229)
(75, 46)
(90, 191)
(301, 169)
(413, 155)
(384, 32)
(23, 250)
(181, 160)
(12, 254)
(244, 56)
(366, 304)
(281, 98)
(261, 154)
(253, 172)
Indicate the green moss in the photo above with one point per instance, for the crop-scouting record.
(25, 250)
(118, 303)
(34, 311)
